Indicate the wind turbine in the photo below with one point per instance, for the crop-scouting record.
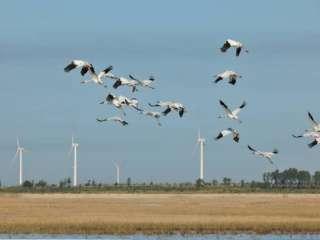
(74, 148)
(117, 166)
(19, 152)
(201, 142)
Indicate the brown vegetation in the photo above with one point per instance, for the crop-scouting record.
(159, 213)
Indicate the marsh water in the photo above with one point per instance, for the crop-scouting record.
(168, 237)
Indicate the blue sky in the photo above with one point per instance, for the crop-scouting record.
(178, 42)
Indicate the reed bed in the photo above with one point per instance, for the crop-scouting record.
(159, 213)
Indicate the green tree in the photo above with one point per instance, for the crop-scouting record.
(226, 181)
(316, 178)
(199, 183)
(27, 184)
(41, 184)
(68, 182)
(128, 181)
(304, 178)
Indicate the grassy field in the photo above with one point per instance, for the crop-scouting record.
(159, 213)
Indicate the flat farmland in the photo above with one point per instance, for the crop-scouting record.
(159, 213)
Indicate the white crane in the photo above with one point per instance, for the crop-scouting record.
(144, 82)
(84, 65)
(114, 100)
(310, 134)
(74, 149)
(170, 105)
(97, 78)
(231, 114)
(19, 152)
(267, 155)
(232, 76)
(226, 132)
(315, 124)
(88, 67)
(155, 115)
(121, 81)
(117, 166)
(201, 141)
(234, 44)
(114, 119)
(130, 102)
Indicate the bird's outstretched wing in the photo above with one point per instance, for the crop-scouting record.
(181, 112)
(225, 107)
(106, 72)
(165, 112)
(222, 134)
(233, 80)
(313, 121)
(251, 148)
(117, 84)
(297, 136)
(102, 119)
(132, 77)
(237, 110)
(225, 46)
(313, 143)
(218, 79)
(238, 50)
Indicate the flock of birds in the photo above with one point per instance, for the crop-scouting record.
(119, 101)
(132, 82)
(232, 77)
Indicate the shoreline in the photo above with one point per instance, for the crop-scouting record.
(157, 214)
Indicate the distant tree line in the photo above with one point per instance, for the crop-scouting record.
(289, 180)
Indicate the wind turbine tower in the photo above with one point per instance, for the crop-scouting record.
(74, 148)
(19, 152)
(117, 166)
(201, 142)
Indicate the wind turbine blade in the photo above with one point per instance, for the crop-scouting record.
(14, 157)
(194, 150)
(70, 151)
(18, 144)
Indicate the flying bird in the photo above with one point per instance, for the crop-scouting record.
(308, 134)
(315, 124)
(121, 81)
(130, 102)
(267, 155)
(88, 67)
(231, 114)
(228, 74)
(97, 78)
(170, 105)
(115, 101)
(85, 66)
(144, 82)
(226, 132)
(234, 44)
(114, 119)
(155, 115)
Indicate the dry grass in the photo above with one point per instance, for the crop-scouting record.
(159, 213)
